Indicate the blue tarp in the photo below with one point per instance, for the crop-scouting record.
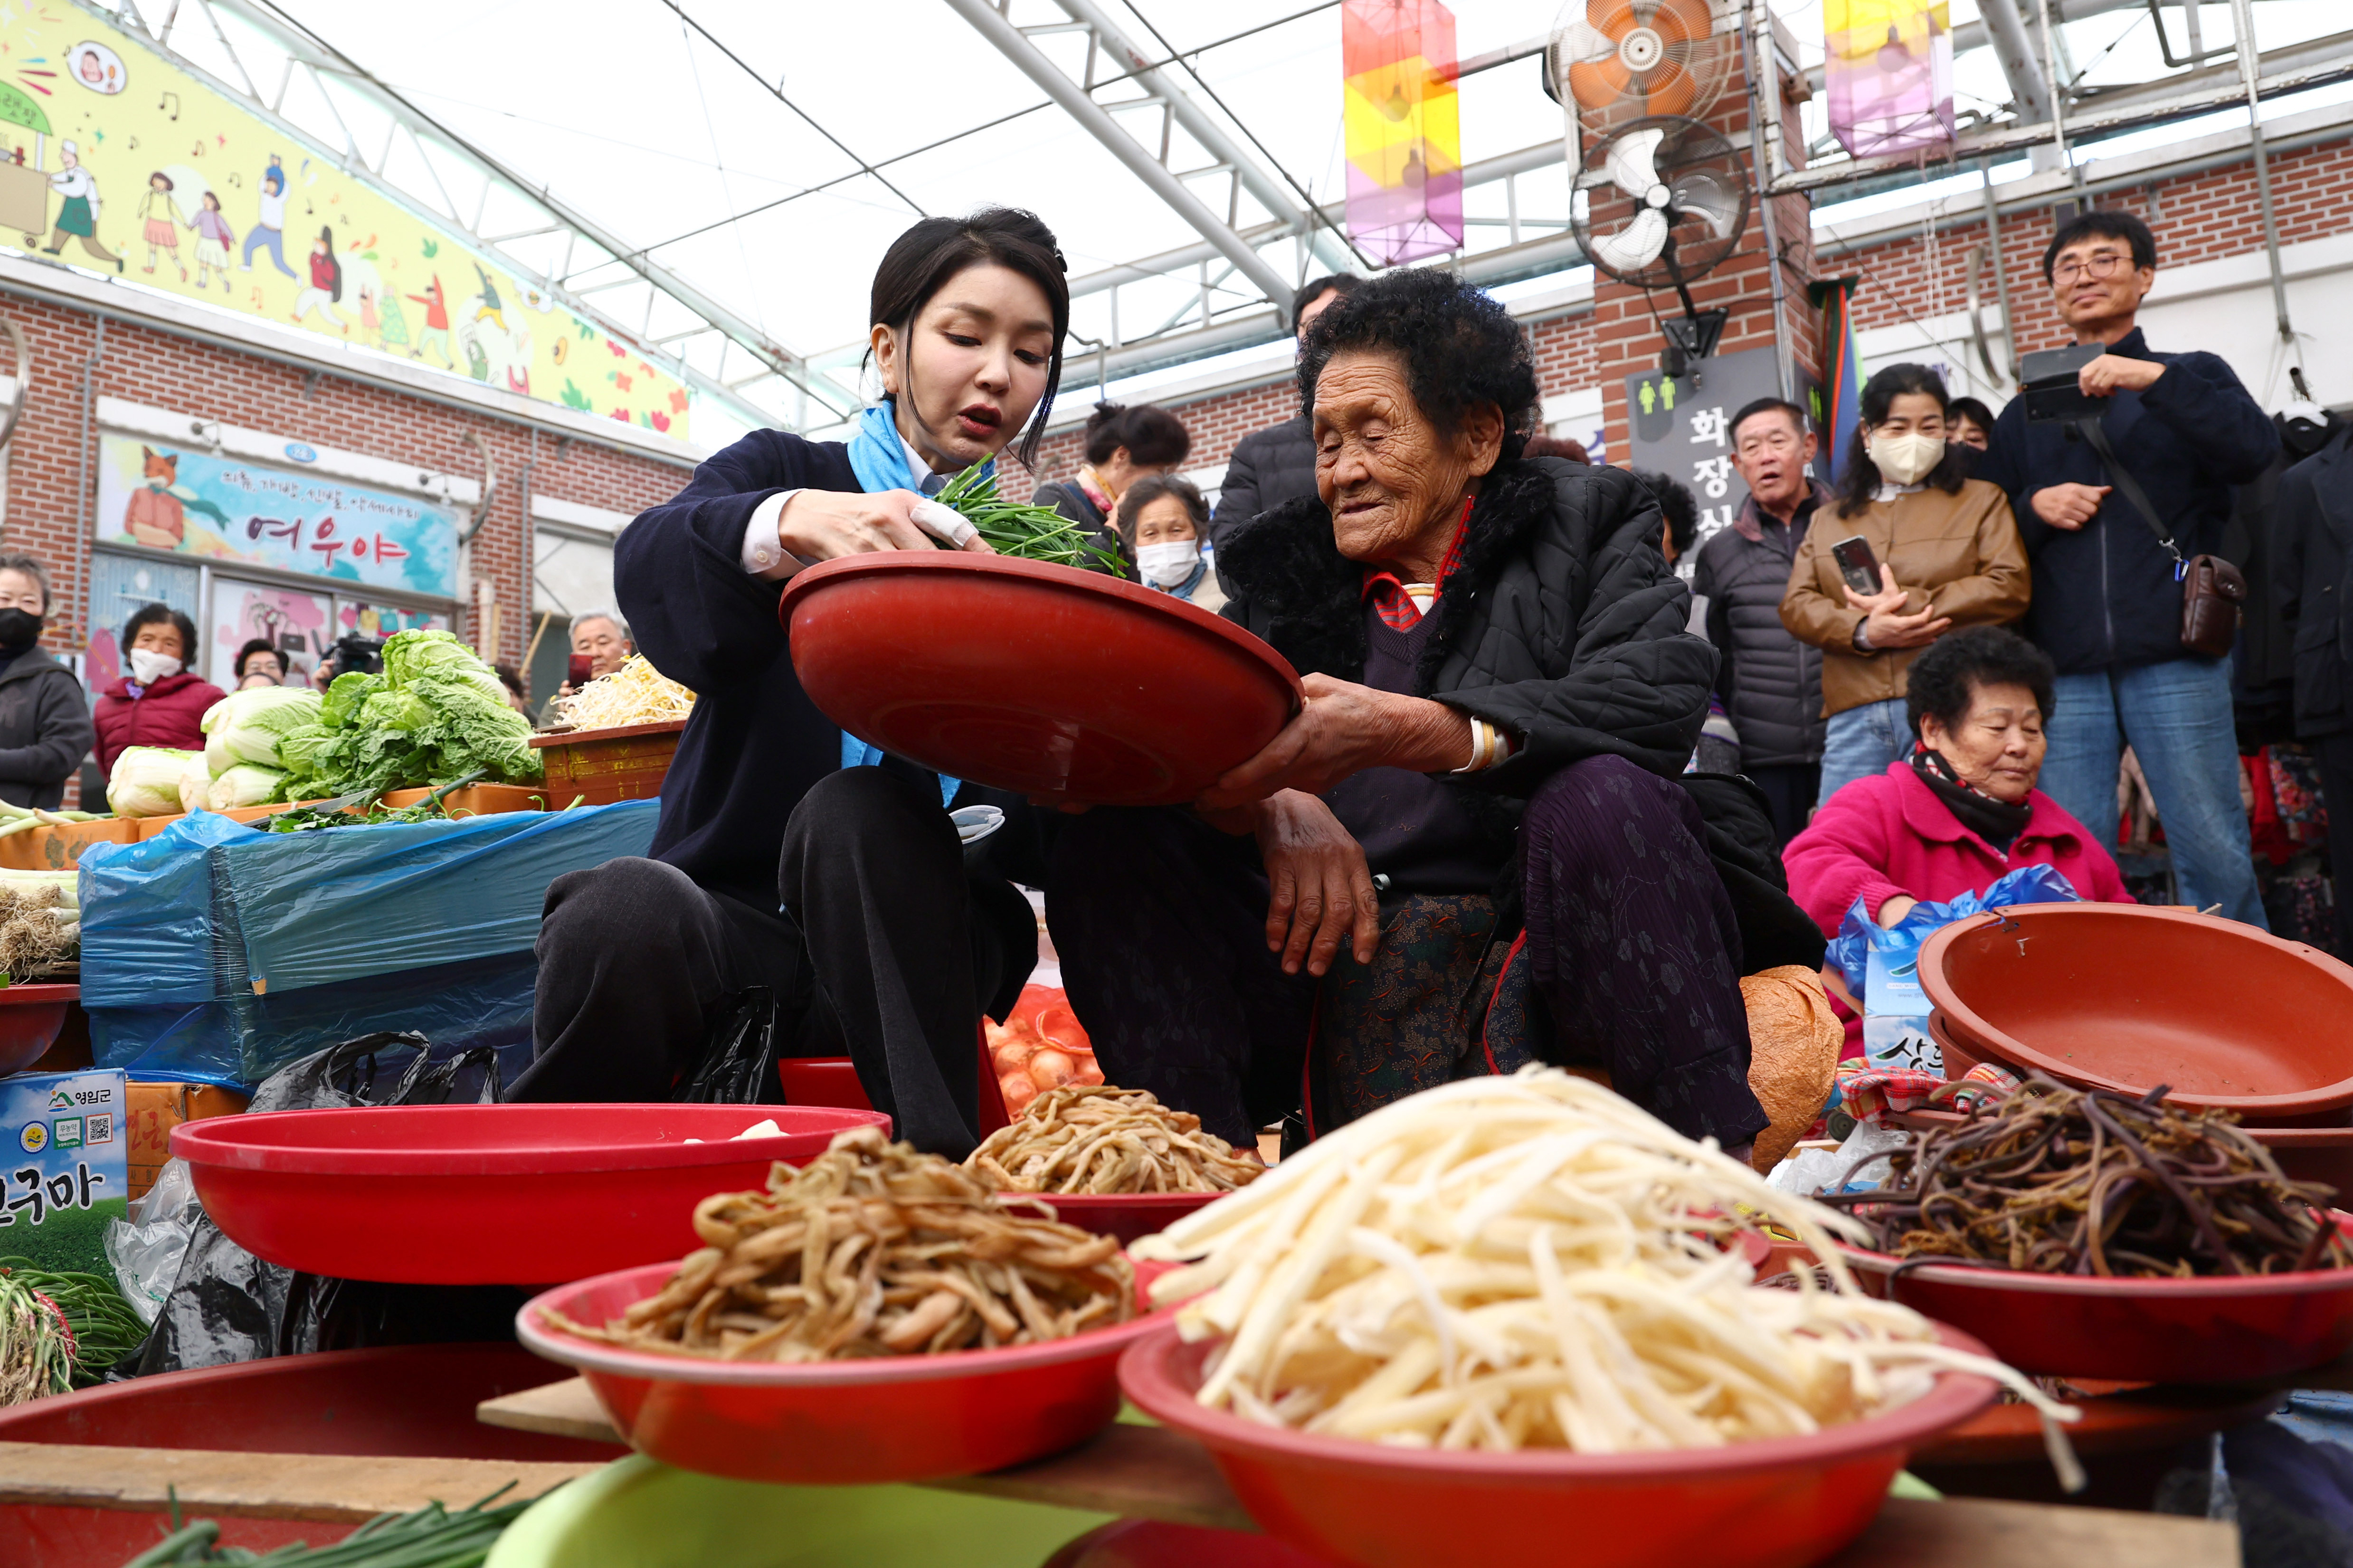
(217, 950)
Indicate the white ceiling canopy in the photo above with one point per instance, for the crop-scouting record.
(717, 178)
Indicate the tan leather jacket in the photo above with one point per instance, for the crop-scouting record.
(1959, 552)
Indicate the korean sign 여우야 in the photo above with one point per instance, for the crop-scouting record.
(227, 509)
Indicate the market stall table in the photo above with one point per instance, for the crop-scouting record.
(1147, 1472)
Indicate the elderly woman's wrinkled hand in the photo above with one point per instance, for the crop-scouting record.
(1343, 730)
(1322, 890)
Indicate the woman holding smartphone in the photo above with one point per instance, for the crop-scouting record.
(1909, 548)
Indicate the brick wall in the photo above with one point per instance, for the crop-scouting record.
(2196, 217)
(52, 461)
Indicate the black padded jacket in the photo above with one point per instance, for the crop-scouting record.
(1268, 467)
(1770, 682)
(1561, 621)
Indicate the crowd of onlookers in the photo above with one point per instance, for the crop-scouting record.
(1934, 665)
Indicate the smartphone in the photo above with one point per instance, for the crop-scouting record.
(1858, 566)
(580, 669)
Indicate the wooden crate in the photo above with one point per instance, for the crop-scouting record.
(474, 800)
(56, 846)
(600, 766)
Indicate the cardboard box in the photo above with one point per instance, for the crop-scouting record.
(66, 1173)
(154, 1109)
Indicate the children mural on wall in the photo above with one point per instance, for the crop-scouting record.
(270, 228)
(436, 335)
(214, 238)
(326, 288)
(160, 223)
(77, 212)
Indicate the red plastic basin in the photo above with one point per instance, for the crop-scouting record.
(2121, 997)
(1778, 1503)
(1131, 1216)
(408, 1401)
(485, 1195)
(2132, 1330)
(1061, 684)
(838, 1423)
(31, 1018)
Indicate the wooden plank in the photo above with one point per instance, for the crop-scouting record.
(1149, 1472)
(1138, 1472)
(1967, 1532)
(330, 1488)
(562, 1409)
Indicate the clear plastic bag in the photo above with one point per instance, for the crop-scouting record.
(1810, 1172)
(145, 1250)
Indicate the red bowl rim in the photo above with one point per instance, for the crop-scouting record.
(1951, 1400)
(221, 1142)
(1047, 574)
(1976, 1034)
(2020, 1281)
(34, 994)
(611, 1361)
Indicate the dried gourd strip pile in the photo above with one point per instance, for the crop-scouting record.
(1532, 1262)
(871, 1249)
(1098, 1139)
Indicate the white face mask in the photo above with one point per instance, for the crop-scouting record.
(1167, 565)
(1906, 459)
(148, 666)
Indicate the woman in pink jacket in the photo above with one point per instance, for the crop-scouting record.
(1963, 809)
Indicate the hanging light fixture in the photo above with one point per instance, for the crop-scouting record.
(1887, 68)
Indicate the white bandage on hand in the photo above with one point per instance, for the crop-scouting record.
(942, 523)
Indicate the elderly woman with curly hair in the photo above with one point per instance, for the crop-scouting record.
(1471, 848)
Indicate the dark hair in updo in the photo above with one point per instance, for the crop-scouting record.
(1460, 346)
(1944, 681)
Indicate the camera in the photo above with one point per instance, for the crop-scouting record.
(2047, 380)
(356, 654)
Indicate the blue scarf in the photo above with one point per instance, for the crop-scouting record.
(879, 457)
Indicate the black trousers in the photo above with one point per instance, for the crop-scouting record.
(1791, 789)
(887, 949)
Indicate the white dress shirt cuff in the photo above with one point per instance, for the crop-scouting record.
(762, 555)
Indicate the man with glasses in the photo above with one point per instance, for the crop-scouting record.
(1770, 682)
(2107, 603)
(45, 723)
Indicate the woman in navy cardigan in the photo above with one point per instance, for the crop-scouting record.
(781, 866)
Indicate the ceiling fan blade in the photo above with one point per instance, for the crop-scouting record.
(1702, 196)
(1598, 84)
(1636, 246)
(1629, 161)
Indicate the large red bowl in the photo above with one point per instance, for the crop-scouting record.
(2120, 997)
(2223, 1329)
(1061, 684)
(1776, 1503)
(836, 1423)
(1131, 1216)
(485, 1195)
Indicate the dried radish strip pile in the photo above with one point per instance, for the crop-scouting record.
(1531, 1262)
(871, 1249)
(1098, 1139)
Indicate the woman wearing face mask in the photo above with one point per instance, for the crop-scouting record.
(795, 867)
(158, 701)
(44, 723)
(1161, 522)
(1949, 553)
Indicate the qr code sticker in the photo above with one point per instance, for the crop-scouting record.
(98, 1129)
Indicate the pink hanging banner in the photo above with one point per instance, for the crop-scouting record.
(1405, 135)
(1887, 68)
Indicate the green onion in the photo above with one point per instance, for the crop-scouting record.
(1026, 533)
(432, 1537)
(105, 1327)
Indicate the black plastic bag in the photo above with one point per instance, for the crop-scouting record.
(228, 1306)
(739, 1064)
